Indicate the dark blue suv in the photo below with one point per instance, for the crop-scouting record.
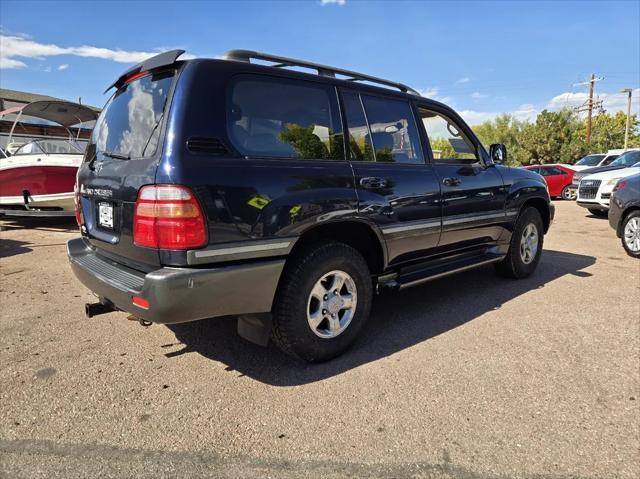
(242, 186)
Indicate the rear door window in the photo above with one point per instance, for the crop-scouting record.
(129, 123)
(279, 118)
(393, 131)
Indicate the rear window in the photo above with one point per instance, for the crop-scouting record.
(129, 122)
(590, 160)
(277, 118)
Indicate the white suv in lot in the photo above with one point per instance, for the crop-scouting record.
(594, 191)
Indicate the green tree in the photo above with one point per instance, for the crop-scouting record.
(607, 132)
(508, 130)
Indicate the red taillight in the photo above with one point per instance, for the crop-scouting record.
(620, 185)
(77, 205)
(168, 217)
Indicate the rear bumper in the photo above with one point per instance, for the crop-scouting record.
(178, 295)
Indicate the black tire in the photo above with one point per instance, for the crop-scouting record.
(566, 193)
(291, 329)
(634, 215)
(513, 265)
(598, 213)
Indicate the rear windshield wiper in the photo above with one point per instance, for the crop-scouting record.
(116, 156)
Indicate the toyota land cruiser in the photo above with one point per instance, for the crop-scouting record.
(240, 186)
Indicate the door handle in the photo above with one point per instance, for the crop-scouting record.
(453, 181)
(373, 182)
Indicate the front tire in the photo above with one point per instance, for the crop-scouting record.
(322, 303)
(631, 234)
(525, 248)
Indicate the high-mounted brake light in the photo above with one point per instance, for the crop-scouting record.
(168, 217)
(135, 76)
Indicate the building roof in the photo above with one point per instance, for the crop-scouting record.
(26, 97)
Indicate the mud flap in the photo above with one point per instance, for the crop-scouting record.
(255, 328)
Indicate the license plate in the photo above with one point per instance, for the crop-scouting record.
(105, 215)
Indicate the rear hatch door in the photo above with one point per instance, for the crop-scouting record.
(123, 156)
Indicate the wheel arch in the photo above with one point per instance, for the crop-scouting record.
(627, 211)
(360, 235)
(542, 206)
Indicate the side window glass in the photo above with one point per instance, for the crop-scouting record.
(448, 143)
(284, 119)
(394, 134)
(555, 171)
(545, 171)
(359, 138)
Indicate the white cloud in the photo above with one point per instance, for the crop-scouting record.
(464, 80)
(525, 112)
(611, 102)
(434, 94)
(14, 46)
(64, 66)
(478, 96)
(332, 2)
(47, 69)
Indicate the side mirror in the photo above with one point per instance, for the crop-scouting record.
(498, 153)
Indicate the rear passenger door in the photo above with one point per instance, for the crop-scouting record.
(396, 189)
(473, 193)
(555, 178)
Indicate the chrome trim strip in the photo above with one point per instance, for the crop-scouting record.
(411, 227)
(467, 219)
(242, 249)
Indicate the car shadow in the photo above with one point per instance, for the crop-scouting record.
(398, 321)
(60, 224)
(9, 247)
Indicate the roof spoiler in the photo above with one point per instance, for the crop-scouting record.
(161, 60)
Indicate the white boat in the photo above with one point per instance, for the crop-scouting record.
(38, 178)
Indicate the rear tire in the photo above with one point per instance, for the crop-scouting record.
(525, 248)
(631, 234)
(312, 319)
(598, 213)
(566, 193)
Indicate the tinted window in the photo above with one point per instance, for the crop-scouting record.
(535, 169)
(590, 160)
(448, 143)
(359, 138)
(393, 131)
(551, 171)
(609, 159)
(627, 159)
(128, 124)
(284, 119)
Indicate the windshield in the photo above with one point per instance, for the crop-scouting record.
(51, 146)
(627, 159)
(590, 160)
(129, 124)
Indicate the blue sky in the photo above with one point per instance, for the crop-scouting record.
(481, 57)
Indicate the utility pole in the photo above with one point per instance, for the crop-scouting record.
(626, 130)
(589, 104)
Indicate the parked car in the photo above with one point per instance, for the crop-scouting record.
(624, 213)
(598, 159)
(625, 160)
(558, 179)
(287, 198)
(594, 192)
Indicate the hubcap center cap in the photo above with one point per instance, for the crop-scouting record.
(334, 304)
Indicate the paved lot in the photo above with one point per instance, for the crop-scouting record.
(469, 376)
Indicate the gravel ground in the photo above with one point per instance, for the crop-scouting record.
(469, 376)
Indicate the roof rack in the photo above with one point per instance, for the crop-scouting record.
(324, 70)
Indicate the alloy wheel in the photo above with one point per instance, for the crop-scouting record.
(632, 234)
(332, 304)
(529, 243)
